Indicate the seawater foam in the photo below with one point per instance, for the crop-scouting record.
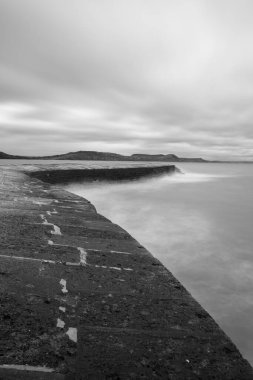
(190, 177)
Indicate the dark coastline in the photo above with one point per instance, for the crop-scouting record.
(105, 156)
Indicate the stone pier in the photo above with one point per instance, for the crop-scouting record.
(81, 299)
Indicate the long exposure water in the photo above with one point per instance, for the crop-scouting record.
(200, 226)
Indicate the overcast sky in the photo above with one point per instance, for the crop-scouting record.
(127, 76)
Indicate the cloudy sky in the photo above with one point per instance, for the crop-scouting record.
(127, 76)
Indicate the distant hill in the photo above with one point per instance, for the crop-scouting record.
(10, 157)
(90, 155)
(105, 156)
(163, 157)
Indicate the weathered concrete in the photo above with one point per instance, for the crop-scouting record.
(81, 299)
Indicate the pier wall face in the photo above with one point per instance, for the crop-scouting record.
(81, 299)
(113, 174)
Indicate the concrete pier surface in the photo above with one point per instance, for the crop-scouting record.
(81, 299)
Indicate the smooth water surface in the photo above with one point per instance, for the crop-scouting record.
(200, 225)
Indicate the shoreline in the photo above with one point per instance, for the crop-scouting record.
(95, 298)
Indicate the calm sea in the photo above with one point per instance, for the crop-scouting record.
(200, 226)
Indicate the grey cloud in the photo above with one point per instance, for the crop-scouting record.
(133, 76)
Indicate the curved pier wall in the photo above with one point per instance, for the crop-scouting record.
(81, 299)
(89, 175)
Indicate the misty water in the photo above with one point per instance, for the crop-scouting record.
(200, 226)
